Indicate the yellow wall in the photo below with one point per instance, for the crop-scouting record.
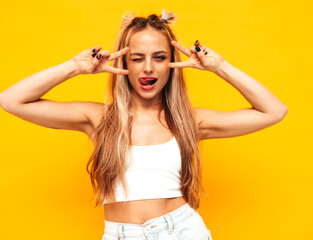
(259, 185)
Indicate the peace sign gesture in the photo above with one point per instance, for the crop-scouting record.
(201, 57)
(92, 61)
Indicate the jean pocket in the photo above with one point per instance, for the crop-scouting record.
(192, 228)
(180, 237)
(178, 234)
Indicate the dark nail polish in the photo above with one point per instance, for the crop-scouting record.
(94, 50)
(197, 43)
(198, 49)
(98, 56)
(93, 55)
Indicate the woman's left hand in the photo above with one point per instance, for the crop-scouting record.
(209, 62)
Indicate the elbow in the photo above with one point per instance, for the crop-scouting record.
(282, 113)
(3, 102)
(285, 111)
(278, 114)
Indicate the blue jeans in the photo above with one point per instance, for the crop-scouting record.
(184, 223)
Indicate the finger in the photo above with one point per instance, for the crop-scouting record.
(114, 70)
(203, 47)
(193, 49)
(179, 64)
(201, 55)
(181, 48)
(95, 49)
(197, 43)
(97, 58)
(193, 52)
(119, 53)
(104, 53)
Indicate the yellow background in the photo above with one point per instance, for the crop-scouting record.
(259, 185)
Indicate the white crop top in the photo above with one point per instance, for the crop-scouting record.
(153, 172)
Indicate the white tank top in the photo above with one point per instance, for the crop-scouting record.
(153, 172)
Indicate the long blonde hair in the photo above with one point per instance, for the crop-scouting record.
(112, 135)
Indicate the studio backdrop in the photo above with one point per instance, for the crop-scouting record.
(259, 186)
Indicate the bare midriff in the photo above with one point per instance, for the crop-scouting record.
(140, 211)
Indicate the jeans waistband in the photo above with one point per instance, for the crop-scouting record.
(166, 221)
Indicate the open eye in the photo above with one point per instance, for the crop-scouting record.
(161, 57)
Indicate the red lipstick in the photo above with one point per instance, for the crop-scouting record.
(147, 83)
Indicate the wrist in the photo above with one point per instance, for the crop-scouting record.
(222, 68)
(72, 68)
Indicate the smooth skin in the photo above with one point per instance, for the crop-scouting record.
(23, 100)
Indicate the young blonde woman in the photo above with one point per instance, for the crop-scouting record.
(146, 168)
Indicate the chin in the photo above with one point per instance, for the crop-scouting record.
(147, 94)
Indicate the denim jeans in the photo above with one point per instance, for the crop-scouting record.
(184, 223)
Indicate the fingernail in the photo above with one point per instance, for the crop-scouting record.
(94, 50)
(93, 55)
(197, 43)
(98, 56)
(198, 49)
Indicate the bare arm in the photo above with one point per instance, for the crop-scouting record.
(36, 85)
(266, 109)
(23, 99)
(257, 95)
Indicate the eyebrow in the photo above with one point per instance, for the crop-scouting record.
(141, 54)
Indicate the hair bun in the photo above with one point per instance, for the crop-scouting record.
(168, 16)
(127, 17)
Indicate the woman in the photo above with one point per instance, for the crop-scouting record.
(146, 166)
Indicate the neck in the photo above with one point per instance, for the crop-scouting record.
(144, 105)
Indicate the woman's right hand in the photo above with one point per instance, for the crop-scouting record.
(99, 62)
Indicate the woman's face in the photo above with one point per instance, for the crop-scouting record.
(147, 59)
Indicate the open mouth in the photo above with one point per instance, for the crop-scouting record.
(147, 81)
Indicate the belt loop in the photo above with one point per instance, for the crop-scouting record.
(120, 231)
(170, 223)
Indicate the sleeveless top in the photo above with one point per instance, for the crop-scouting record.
(153, 171)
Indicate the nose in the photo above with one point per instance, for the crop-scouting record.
(148, 66)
